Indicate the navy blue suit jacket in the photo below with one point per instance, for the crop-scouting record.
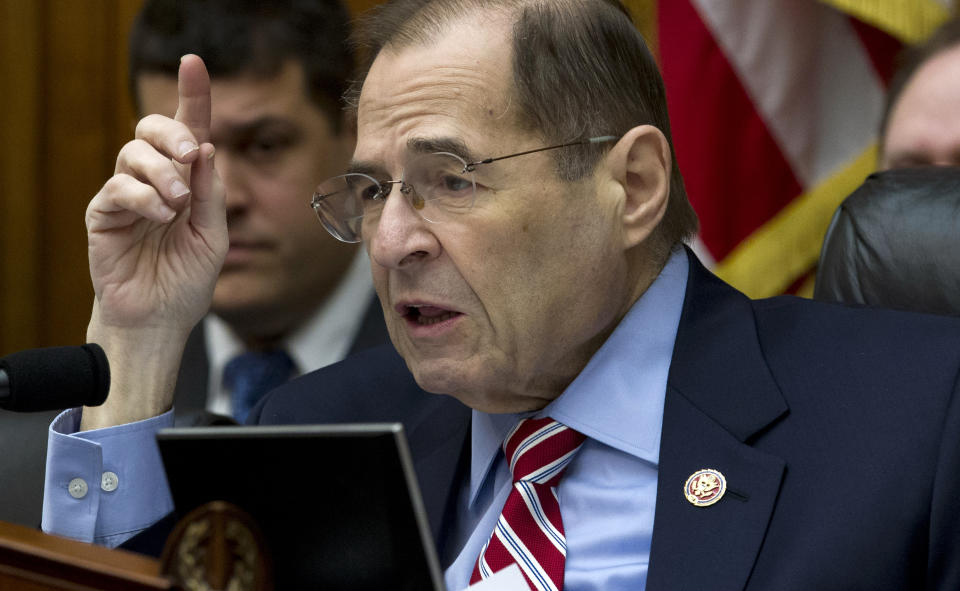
(838, 431)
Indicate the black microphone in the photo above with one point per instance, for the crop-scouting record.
(54, 378)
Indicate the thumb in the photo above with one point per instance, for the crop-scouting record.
(193, 86)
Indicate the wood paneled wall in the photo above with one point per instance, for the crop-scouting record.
(64, 114)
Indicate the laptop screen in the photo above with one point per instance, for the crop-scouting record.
(338, 505)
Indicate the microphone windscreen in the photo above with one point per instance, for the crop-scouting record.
(55, 378)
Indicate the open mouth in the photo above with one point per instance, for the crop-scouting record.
(427, 315)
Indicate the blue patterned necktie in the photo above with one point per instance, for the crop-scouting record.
(250, 375)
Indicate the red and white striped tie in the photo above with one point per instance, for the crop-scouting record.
(530, 530)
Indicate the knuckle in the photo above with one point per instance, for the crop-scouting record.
(131, 146)
(113, 186)
(141, 160)
(124, 190)
(138, 131)
(146, 125)
(156, 169)
(129, 154)
(127, 150)
(162, 131)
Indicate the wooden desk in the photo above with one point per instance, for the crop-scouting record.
(31, 560)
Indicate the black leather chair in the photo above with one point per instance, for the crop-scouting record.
(895, 243)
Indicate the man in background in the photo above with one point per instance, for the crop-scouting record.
(278, 71)
(289, 298)
(893, 242)
(921, 122)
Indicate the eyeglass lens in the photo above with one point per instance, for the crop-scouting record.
(437, 186)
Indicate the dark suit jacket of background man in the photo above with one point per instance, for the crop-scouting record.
(838, 431)
(23, 436)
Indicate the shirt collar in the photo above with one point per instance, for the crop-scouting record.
(327, 337)
(618, 397)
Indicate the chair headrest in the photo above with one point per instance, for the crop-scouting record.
(895, 243)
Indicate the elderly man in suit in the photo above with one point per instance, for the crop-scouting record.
(634, 421)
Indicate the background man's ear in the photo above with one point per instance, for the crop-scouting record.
(641, 163)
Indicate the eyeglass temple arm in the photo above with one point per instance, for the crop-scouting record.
(593, 140)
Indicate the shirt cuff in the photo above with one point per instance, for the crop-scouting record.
(104, 485)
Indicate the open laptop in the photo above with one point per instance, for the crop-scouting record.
(339, 505)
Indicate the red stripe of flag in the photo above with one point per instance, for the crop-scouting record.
(880, 46)
(734, 171)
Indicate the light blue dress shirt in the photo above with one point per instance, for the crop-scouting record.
(607, 496)
(608, 493)
(75, 502)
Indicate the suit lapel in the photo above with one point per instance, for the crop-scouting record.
(437, 472)
(720, 394)
(437, 441)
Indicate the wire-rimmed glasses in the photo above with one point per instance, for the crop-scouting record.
(438, 185)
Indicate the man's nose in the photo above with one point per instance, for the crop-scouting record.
(237, 190)
(400, 237)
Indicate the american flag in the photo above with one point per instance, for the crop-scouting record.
(774, 107)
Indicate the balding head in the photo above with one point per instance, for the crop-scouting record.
(580, 69)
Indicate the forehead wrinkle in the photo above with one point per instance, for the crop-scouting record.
(443, 90)
(451, 87)
(445, 98)
(418, 145)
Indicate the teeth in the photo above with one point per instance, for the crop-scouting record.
(424, 321)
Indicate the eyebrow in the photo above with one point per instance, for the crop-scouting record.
(234, 132)
(367, 168)
(446, 144)
(418, 146)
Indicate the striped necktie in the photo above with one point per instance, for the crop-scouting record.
(530, 530)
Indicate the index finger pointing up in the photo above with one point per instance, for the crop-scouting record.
(193, 86)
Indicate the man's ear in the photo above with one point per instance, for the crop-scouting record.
(640, 162)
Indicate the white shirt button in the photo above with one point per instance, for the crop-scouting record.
(109, 482)
(77, 488)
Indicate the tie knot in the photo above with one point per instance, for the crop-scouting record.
(540, 449)
(250, 375)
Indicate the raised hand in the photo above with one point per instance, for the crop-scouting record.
(157, 238)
